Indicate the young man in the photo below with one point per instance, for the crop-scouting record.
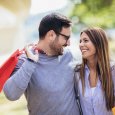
(46, 78)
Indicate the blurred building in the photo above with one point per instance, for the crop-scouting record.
(19, 20)
(12, 16)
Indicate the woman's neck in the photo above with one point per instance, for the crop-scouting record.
(91, 64)
(93, 75)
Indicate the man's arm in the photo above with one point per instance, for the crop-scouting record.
(16, 85)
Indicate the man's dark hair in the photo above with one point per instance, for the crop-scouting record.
(53, 21)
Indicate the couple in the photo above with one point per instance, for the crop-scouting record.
(46, 73)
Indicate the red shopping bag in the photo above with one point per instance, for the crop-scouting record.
(8, 66)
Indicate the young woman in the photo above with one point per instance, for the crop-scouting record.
(96, 75)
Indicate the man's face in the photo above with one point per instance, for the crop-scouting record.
(61, 40)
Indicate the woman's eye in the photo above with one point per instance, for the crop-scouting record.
(85, 40)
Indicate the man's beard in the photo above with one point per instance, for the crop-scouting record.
(55, 49)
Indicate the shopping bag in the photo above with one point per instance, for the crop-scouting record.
(8, 66)
(113, 110)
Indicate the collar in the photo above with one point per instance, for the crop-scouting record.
(87, 72)
(40, 50)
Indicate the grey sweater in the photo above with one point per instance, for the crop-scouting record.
(47, 85)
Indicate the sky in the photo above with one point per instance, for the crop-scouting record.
(41, 6)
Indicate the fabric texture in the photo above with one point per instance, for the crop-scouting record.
(48, 85)
(93, 105)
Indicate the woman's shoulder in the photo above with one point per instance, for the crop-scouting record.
(112, 65)
(77, 72)
(77, 68)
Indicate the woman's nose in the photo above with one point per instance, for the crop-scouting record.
(81, 44)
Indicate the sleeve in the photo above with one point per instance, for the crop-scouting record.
(16, 85)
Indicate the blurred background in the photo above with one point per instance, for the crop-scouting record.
(19, 21)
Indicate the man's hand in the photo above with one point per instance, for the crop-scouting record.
(32, 55)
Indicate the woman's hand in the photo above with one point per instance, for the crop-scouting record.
(32, 52)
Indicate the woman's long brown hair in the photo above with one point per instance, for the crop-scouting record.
(100, 41)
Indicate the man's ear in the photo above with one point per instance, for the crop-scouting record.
(51, 34)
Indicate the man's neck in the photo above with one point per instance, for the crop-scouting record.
(42, 45)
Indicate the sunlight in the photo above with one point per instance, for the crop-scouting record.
(46, 5)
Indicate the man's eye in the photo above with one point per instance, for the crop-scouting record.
(67, 37)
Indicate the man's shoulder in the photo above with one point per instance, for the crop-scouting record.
(67, 52)
(67, 55)
(76, 57)
(21, 59)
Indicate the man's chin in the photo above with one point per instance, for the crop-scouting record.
(59, 53)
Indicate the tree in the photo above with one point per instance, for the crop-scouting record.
(95, 13)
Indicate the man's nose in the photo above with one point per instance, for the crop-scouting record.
(68, 42)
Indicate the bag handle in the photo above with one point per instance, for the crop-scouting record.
(77, 95)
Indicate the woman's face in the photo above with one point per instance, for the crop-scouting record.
(86, 46)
